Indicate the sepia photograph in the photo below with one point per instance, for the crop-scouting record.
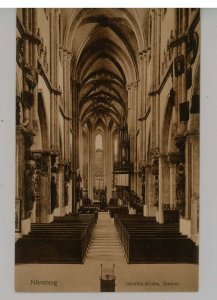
(107, 150)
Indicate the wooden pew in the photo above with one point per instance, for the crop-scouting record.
(65, 240)
(146, 241)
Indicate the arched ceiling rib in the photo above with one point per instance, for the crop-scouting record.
(105, 44)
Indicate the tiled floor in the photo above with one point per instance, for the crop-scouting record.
(105, 249)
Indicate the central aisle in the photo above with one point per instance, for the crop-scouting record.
(105, 245)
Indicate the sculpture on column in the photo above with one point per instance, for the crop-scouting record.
(79, 180)
(32, 187)
(142, 173)
(53, 187)
(180, 178)
(67, 177)
(155, 172)
(66, 193)
(54, 202)
(180, 188)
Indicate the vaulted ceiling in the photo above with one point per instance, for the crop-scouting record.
(105, 44)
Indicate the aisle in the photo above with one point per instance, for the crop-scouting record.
(105, 245)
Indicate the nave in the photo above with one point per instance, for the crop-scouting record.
(107, 119)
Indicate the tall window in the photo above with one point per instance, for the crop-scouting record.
(98, 142)
(98, 172)
(116, 149)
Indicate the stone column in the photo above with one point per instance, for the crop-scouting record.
(109, 164)
(35, 66)
(141, 106)
(91, 163)
(157, 72)
(175, 80)
(133, 135)
(152, 49)
(45, 193)
(105, 156)
(192, 181)
(69, 99)
(26, 60)
(60, 186)
(160, 202)
(151, 208)
(129, 122)
(66, 100)
(52, 76)
(75, 141)
(20, 167)
(172, 159)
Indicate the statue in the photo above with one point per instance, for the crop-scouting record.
(66, 193)
(54, 202)
(78, 192)
(32, 187)
(156, 190)
(180, 188)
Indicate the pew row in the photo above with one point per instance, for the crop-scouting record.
(65, 240)
(146, 241)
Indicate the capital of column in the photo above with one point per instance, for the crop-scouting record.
(134, 85)
(142, 54)
(158, 12)
(172, 158)
(65, 53)
(69, 56)
(128, 87)
(75, 83)
(57, 12)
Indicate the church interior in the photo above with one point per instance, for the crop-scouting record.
(107, 137)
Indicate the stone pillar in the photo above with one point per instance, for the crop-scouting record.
(52, 76)
(75, 141)
(151, 208)
(157, 79)
(155, 182)
(129, 122)
(110, 154)
(160, 203)
(43, 205)
(192, 181)
(69, 99)
(20, 167)
(133, 136)
(91, 160)
(44, 199)
(66, 100)
(60, 187)
(35, 66)
(172, 160)
(172, 185)
(152, 49)
(175, 80)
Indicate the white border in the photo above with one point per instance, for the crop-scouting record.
(111, 3)
(208, 220)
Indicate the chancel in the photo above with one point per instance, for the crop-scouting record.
(107, 129)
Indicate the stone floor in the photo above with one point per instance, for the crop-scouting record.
(105, 249)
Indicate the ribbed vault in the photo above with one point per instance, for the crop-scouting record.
(105, 44)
